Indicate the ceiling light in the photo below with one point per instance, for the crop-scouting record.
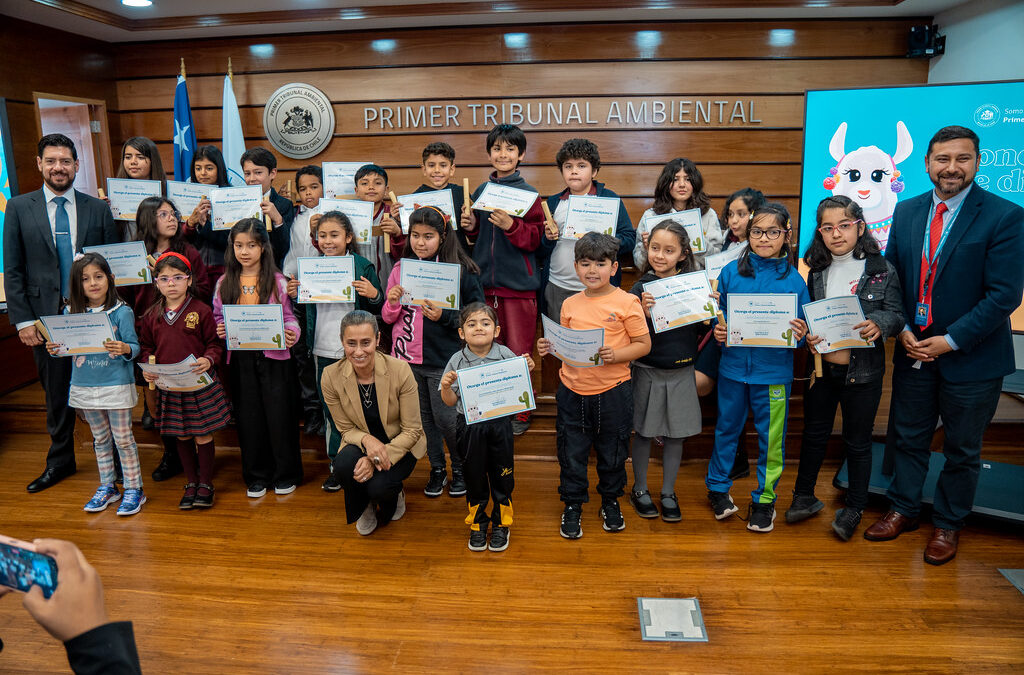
(136, 3)
(517, 40)
(263, 51)
(781, 37)
(383, 45)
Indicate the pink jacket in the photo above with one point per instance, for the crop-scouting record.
(290, 322)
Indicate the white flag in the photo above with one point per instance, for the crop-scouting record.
(232, 143)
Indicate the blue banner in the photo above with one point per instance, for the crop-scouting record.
(184, 132)
(870, 144)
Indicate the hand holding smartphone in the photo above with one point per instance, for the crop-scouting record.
(22, 567)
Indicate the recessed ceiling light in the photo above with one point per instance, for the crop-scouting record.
(137, 3)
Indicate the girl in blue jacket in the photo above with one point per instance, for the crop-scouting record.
(757, 378)
(103, 385)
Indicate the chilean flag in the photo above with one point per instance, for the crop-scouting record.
(184, 132)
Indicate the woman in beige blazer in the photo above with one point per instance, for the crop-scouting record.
(373, 401)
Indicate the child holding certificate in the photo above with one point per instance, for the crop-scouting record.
(372, 186)
(208, 169)
(845, 260)
(426, 336)
(259, 166)
(664, 387)
(103, 386)
(487, 446)
(579, 161)
(323, 320)
(263, 383)
(680, 187)
(439, 170)
(756, 377)
(503, 247)
(593, 401)
(140, 160)
(178, 326)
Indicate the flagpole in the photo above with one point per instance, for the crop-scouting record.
(231, 75)
(183, 67)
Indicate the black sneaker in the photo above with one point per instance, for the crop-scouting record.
(169, 467)
(571, 528)
(670, 512)
(521, 423)
(643, 504)
(256, 490)
(435, 484)
(478, 538)
(803, 507)
(612, 515)
(148, 423)
(740, 466)
(330, 484)
(499, 539)
(846, 522)
(722, 504)
(457, 488)
(761, 517)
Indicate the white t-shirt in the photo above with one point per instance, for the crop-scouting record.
(843, 275)
(301, 243)
(327, 341)
(562, 265)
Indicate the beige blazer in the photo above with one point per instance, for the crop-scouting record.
(397, 398)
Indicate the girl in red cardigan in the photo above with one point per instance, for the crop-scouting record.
(175, 327)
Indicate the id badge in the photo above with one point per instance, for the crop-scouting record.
(921, 315)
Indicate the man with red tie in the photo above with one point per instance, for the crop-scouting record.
(959, 251)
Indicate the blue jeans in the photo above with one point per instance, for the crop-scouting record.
(920, 397)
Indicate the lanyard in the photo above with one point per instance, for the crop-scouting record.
(929, 264)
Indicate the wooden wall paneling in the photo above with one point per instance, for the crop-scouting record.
(580, 42)
(535, 79)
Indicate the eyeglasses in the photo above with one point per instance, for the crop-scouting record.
(167, 215)
(758, 233)
(176, 279)
(843, 227)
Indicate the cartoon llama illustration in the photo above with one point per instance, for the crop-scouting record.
(870, 178)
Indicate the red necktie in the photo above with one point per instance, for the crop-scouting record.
(930, 265)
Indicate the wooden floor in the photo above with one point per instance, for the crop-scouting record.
(282, 585)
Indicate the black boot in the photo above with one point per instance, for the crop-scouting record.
(170, 464)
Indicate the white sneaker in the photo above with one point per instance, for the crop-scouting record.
(367, 522)
(284, 490)
(400, 508)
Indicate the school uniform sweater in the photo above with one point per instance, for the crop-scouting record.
(676, 348)
(419, 340)
(760, 365)
(192, 331)
(507, 259)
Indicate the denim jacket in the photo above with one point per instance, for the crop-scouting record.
(881, 299)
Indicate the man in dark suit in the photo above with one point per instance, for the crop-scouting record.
(959, 251)
(42, 232)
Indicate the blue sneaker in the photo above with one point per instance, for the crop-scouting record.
(105, 494)
(132, 502)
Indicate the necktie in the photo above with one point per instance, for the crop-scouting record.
(65, 250)
(929, 266)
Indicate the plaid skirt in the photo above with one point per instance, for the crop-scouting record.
(194, 413)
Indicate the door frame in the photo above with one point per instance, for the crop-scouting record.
(101, 140)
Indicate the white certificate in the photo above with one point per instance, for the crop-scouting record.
(232, 204)
(442, 199)
(590, 214)
(435, 281)
(681, 300)
(186, 196)
(125, 195)
(714, 264)
(512, 201)
(178, 376)
(127, 261)
(575, 347)
(761, 319)
(496, 389)
(82, 333)
(359, 213)
(326, 279)
(833, 320)
(254, 327)
(340, 178)
(689, 219)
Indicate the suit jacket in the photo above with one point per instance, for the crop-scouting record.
(980, 277)
(397, 398)
(31, 267)
(280, 237)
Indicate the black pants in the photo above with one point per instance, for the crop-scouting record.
(382, 489)
(599, 421)
(487, 452)
(55, 376)
(859, 403)
(305, 368)
(266, 411)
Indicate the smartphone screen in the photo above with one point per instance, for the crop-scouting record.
(21, 568)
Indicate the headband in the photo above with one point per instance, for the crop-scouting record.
(444, 219)
(176, 255)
